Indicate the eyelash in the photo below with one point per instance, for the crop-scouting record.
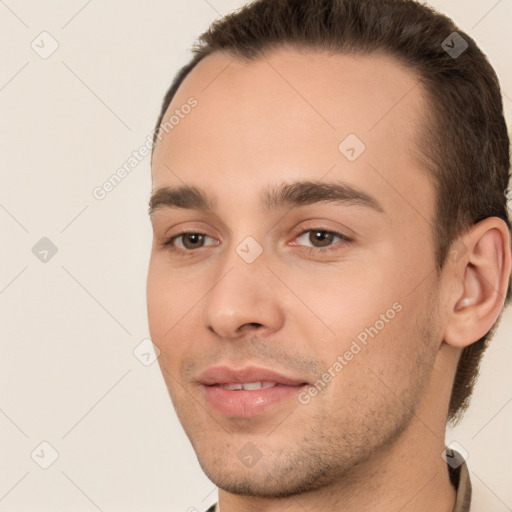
(310, 250)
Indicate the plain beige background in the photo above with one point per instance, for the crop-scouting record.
(69, 325)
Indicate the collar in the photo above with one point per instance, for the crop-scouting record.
(459, 477)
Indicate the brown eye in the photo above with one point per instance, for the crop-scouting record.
(324, 238)
(187, 242)
(321, 238)
(192, 240)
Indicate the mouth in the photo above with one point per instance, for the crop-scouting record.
(248, 386)
(247, 392)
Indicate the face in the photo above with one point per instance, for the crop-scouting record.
(309, 269)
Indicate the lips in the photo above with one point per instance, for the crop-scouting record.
(247, 392)
(224, 375)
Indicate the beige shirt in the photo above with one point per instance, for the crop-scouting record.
(459, 477)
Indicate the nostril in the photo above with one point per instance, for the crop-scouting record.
(249, 326)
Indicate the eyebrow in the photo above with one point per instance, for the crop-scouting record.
(296, 194)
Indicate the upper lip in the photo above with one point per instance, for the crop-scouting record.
(227, 375)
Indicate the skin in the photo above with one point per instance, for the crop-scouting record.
(373, 438)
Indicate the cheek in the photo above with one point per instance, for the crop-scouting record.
(347, 299)
(173, 306)
(157, 302)
(366, 312)
(169, 299)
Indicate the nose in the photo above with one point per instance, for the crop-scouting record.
(243, 297)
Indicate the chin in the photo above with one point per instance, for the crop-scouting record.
(280, 479)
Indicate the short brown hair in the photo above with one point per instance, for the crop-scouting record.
(464, 138)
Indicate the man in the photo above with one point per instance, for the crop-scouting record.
(331, 252)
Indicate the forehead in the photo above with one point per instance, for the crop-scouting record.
(298, 115)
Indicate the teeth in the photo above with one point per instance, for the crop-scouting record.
(231, 387)
(258, 385)
(248, 386)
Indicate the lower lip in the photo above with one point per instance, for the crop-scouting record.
(244, 404)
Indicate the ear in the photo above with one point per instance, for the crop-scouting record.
(480, 281)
